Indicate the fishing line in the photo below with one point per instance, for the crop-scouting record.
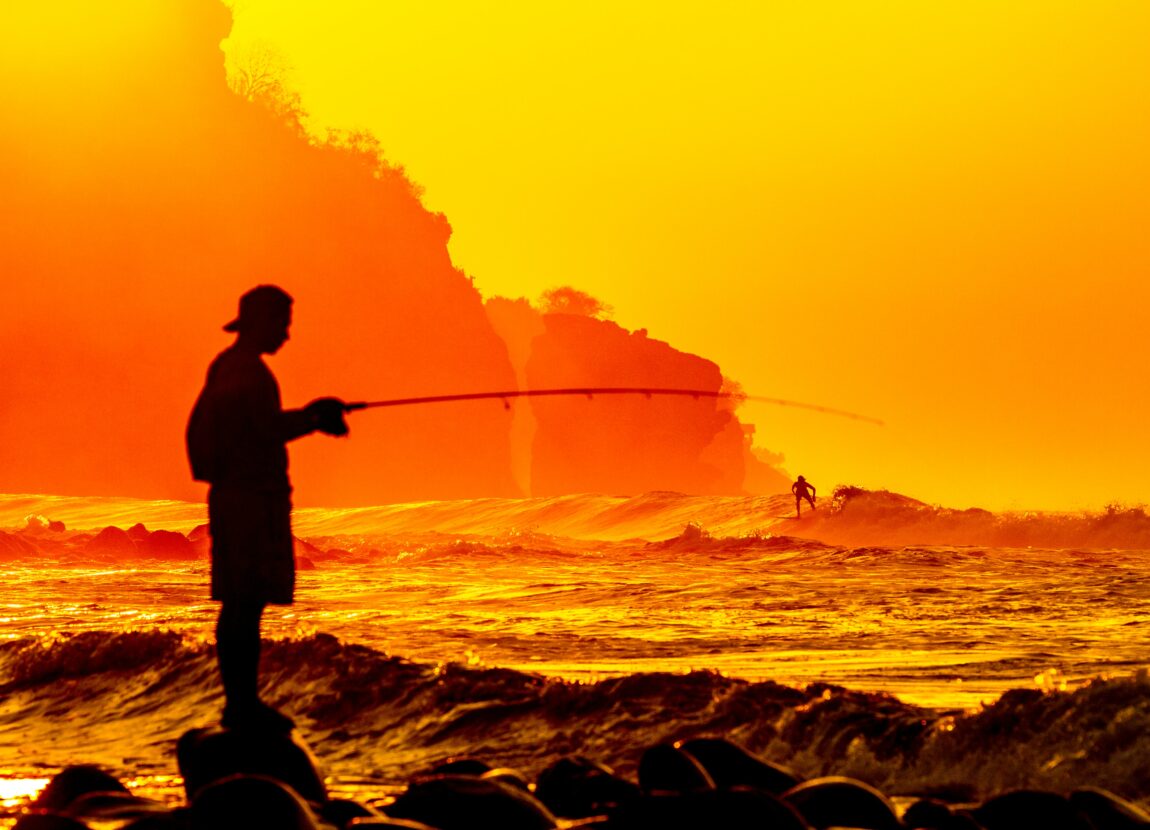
(591, 391)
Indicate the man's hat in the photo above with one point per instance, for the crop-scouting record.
(261, 303)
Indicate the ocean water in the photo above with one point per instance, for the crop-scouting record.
(522, 630)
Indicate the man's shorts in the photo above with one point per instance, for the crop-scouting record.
(253, 560)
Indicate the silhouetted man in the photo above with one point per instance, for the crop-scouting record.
(803, 489)
(237, 437)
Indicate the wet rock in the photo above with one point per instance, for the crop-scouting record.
(843, 802)
(395, 823)
(577, 787)
(460, 766)
(15, 546)
(73, 782)
(111, 540)
(166, 544)
(206, 755)
(341, 811)
(729, 765)
(510, 777)
(47, 821)
(464, 802)
(665, 768)
(107, 806)
(739, 809)
(1107, 811)
(1029, 808)
(243, 802)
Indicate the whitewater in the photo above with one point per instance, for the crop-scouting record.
(878, 637)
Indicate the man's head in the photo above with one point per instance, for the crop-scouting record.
(264, 318)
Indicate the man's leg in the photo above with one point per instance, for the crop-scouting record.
(238, 650)
(799, 506)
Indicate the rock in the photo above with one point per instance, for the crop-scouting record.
(15, 546)
(340, 811)
(112, 540)
(1029, 808)
(464, 802)
(577, 787)
(836, 801)
(207, 755)
(509, 776)
(75, 781)
(459, 766)
(114, 806)
(667, 769)
(741, 808)
(245, 802)
(166, 544)
(1107, 811)
(48, 821)
(729, 765)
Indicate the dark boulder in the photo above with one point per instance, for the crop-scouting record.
(206, 755)
(464, 802)
(843, 802)
(729, 765)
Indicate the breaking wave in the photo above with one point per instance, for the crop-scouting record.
(123, 698)
(853, 516)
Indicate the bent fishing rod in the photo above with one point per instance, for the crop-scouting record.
(591, 391)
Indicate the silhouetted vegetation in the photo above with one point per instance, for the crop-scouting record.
(568, 300)
(258, 74)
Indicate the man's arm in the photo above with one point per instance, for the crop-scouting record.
(262, 402)
(295, 423)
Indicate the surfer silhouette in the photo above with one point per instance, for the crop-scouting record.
(803, 489)
(236, 440)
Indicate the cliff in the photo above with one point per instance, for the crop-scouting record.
(142, 197)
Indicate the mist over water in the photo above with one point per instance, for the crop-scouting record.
(499, 634)
(938, 626)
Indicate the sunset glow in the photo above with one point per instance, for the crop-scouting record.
(931, 213)
(680, 411)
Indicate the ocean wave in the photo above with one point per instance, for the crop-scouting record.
(122, 698)
(851, 517)
(880, 517)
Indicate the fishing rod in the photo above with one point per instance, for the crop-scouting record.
(591, 391)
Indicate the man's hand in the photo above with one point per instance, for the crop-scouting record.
(327, 415)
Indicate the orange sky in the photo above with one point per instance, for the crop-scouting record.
(933, 213)
(929, 213)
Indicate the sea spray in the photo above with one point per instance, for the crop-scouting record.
(600, 625)
(122, 699)
(852, 516)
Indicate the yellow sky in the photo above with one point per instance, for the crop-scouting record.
(932, 213)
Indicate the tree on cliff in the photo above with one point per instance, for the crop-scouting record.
(568, 300)
(258, 73)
